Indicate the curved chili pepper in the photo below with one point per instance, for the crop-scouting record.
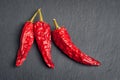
(63, 41)
(26, 41)
(42, 34)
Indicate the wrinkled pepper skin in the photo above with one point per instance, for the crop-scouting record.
(42, 34)
(63, 42)
(26, 41)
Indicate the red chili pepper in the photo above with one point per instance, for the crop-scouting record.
(26, 41)
(63, 41)
(42, 34)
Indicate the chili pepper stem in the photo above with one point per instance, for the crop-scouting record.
(40, 14)
(33, 17)
(55, 23)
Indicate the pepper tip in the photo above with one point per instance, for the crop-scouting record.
(33, 17)
(54, 19)
(40, 14)
(55, 23)
(39, 9)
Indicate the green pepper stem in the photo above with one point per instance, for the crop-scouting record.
(40, 14)
(55, 23)
(33, 17)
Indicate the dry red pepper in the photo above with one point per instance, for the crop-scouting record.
(42, 34)
(26, 41)
(63, 41)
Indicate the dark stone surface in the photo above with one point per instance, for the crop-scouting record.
(94, 26)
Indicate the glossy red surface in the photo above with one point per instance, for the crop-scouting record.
(63, 41)
(42, 34)
(26, 41)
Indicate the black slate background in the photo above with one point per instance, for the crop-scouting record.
(94, 26)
